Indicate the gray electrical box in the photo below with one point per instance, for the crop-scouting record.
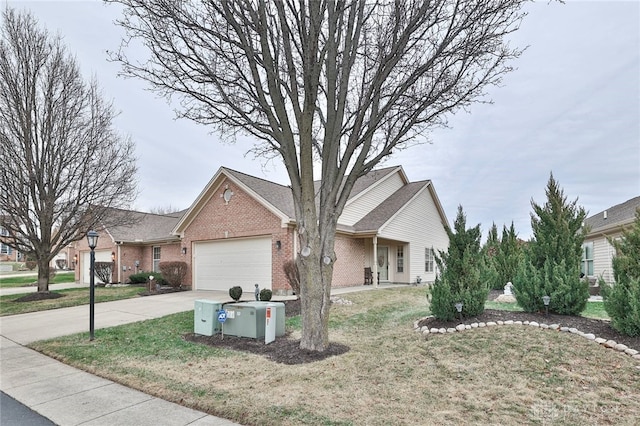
(205, 317)
(248, 319)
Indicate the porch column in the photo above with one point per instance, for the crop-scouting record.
(374, 269)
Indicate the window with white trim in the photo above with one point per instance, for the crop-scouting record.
(156, 259)
(400, 259)
(5, 249)
(586, 266)
(429, 259)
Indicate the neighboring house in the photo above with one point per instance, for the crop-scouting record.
(241, 230)
(133, 248)
(598, 253)
(8, 254)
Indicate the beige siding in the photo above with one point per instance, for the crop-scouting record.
(366, 201)
(603, 253)
(420, 225)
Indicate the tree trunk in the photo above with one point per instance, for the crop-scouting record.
(315, 289)
(43, 275)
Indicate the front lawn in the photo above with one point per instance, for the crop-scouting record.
(71, 297)
(508, 375)
(23, 281)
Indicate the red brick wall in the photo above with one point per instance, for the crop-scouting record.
(349, 267)
(242, 216)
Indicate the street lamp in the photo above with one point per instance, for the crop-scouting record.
(546, 300)
(459, 309)
(92, 240)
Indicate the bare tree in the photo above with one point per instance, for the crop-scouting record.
(164, 210)
(61, 162)
(336, 84)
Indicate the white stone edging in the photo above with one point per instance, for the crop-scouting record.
(611, 344)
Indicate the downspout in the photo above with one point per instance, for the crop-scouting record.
(374, 269)
(118, 256)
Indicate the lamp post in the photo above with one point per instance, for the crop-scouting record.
(546, 300)
(459, 309)
(92, 240)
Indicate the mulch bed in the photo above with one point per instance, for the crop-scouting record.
(283, 350)
(34, 297)
(599, 328)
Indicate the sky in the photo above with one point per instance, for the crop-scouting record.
(571, 108)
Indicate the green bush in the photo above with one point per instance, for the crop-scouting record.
(464, 274)
(143, 278)
(265, 294)
(550, 265)
(568, 292)
(235, 293)
(622, 300)
(173, 272)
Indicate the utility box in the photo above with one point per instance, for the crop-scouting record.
(248, 319)
(205, 317)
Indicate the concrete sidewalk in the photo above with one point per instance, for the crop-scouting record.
(69, 396)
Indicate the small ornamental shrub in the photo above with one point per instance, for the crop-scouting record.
(173, 272)
(292, 274)
(235, 293)
(622, 300)
(265, 294)
(30, 263)
(104, 271)
(52, 274)
(143, 278)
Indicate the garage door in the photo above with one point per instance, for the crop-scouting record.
(101, 256)
(220, 265)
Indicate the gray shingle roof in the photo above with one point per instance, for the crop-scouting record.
(145, 227)
(617, 215)
(383, 212)
(277, 195)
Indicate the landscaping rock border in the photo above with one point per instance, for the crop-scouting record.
(611, 344)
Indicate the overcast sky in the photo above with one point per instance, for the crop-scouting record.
(572, 107)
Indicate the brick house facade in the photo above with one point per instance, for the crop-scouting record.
(241, 230)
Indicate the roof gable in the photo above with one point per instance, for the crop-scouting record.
(393, 205)
(275, 197)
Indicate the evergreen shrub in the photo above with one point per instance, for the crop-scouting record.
(464, 274)
(622, 299)
(265, 295)
(235, 293)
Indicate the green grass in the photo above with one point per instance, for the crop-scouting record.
(391, 375)
(22, 281)
(593, 310)
(72, 297)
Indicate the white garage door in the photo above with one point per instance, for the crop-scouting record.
(220, 265)
(101, 256)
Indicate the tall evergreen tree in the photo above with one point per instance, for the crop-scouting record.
(551, 266)
(490, 251)
(622, 300)
(508, 255)
(463, 273)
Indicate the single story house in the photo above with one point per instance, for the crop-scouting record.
(597, 251)
(241, 230)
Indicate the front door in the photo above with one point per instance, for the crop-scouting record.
(383, 263)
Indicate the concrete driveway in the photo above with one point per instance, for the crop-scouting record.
(34, 326)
